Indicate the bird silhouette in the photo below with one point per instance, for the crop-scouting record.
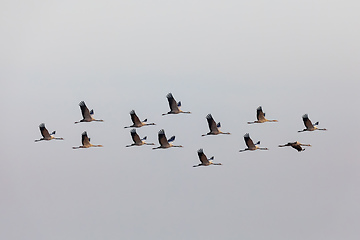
(260, 115)
(136, 121)
(45, 133)
(214, 128)
(86, 142)
(174, 106)
(204, 160)
(165, 143)
(250, 144)
(87, 115)
(296, 145)
(309, 126)
(137, 140)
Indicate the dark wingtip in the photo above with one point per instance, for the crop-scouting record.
(171, 139)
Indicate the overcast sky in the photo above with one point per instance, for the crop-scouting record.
(220, 57)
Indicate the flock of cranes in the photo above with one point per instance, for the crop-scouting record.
(167, 143)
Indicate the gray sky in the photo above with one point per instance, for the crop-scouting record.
(220, 57)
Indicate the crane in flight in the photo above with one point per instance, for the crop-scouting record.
(250, 144)
(174, 106)
(296, 145)
(204, 160)
(87, 115)
(46, 135)
(86, 142)
(309, 126)
(214, 128)
(165, 143)
(136, 121)
(137, 140)
(260, 115)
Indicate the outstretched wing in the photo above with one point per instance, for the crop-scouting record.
(134, 118)
(172, 103)
(211, 123)
(135, 136)
(248, 141)
(44, 131)
(85, 139)
(84, 110)
(260, 115)
(297, 147)
(171, 139)
(307, 122)
(202, 156)
(162, 138)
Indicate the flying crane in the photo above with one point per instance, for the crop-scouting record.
(250, 144)
(204, 160)
(46, 135)
(260, 115)
(87, 115)
(174, 106)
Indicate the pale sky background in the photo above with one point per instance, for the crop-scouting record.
(220, 57)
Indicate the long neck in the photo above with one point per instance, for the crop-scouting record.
(225, 133)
